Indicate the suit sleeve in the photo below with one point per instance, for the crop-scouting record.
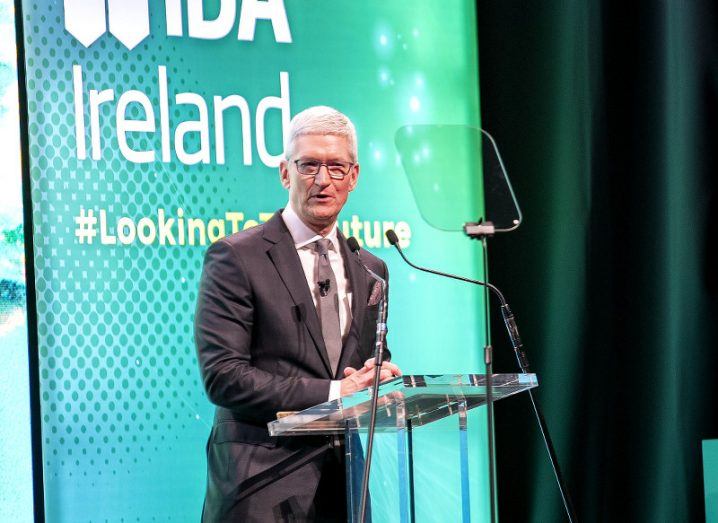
(224, 321)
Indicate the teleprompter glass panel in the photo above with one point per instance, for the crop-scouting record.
(457, 176)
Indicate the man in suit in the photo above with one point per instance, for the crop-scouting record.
(285, 320)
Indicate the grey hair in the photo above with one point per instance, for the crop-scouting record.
(321, 119)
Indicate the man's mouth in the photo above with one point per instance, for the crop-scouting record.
(321, 197)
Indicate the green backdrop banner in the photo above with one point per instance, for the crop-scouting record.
(156, 128)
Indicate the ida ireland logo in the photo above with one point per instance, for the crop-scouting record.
(129, 20)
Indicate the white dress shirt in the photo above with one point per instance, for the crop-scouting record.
(304, 237)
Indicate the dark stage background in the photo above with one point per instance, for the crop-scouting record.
(607, 116)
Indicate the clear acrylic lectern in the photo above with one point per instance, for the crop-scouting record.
(405, 404)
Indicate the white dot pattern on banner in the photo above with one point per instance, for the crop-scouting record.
(118, 371)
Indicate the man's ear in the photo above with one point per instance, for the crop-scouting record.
(284, 173)
(354, 177)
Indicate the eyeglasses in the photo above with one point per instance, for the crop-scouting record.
(337, 170)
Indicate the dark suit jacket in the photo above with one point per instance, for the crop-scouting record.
(260, 351)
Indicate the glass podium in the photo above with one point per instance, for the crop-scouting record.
(406, 404)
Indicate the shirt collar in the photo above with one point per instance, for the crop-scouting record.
(302, 235)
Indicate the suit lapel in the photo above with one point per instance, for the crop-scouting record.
(284, 256)
(358, 281)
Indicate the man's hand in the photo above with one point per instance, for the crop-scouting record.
(361, 379)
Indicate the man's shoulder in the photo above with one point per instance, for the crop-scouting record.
(255, 236)
(246, 238)
(248, 245)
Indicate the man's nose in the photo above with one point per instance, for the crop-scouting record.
(322, 177)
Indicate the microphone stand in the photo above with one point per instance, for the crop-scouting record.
(378, 361)
(489, 364)
(517, 345)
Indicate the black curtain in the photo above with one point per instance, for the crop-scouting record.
(606, 114)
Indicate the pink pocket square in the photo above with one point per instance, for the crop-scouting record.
(375, 296)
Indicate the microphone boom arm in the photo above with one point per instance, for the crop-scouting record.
(517, 345)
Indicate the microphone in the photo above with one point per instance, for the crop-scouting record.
(324, 287)
(378, 360)
(354, 247)
(506, 314)
(381, 316)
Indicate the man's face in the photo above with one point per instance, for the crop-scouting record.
(318, 199)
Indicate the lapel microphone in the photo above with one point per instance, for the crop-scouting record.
(324, 287)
